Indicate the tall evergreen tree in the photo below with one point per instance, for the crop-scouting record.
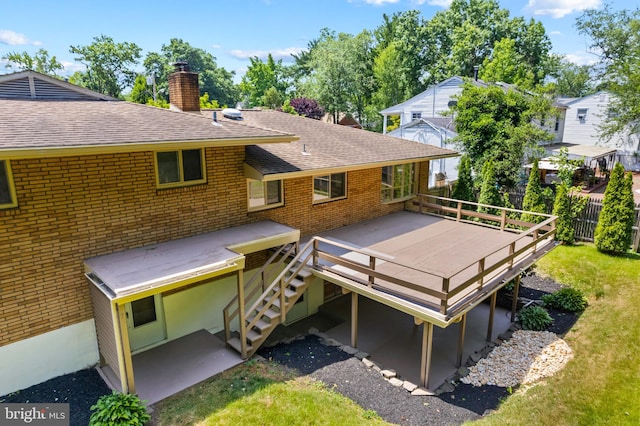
(533, 198)
(614, 229)
(463, 189)
(562, 208)
(489, 193)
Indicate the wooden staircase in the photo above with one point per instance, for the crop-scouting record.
(265, 301)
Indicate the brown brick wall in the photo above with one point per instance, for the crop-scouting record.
(362, 202)
(74, 208)
(184, 91)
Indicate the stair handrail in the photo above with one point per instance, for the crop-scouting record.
(251, 286)
(281, 281)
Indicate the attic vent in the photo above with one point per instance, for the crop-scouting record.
(232, 114)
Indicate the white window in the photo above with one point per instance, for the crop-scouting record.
(398, 182)
(180, 168)
(7, 189)
(582, 114)
(329, 187)
(264, 195)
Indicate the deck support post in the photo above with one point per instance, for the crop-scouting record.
(514, 302)
(126, 351)
(241, 317)
(492, 311)
(463, 329)
(354, 319)
(427, 346)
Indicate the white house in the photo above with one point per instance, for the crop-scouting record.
(585, 116)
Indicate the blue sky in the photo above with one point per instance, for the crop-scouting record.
(235, 30)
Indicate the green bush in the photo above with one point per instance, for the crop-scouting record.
(568, 299)
(535, 318)
(119, 409)
(614, 229)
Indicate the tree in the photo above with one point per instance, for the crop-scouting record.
(500, 125)
(573, 81)
(306, 107)
(463, 189)
(109, 65)
(39, 62)
(141, 93)
(261, 77)
(615, 224)
(565, 232)
(216, 81)
(507, 65)
(615, 39)
(272, 98)
(534, 200)
(489, 193)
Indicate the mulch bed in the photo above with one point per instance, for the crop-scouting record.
(80, 390)
(340, 371)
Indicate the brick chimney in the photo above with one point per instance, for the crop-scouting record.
(184, 91)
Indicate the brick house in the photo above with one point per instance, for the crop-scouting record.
(127, 227)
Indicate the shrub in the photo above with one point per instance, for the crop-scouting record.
(533, 201)
(535, 318)
(119, 409)
(568, 299)
(614, 229)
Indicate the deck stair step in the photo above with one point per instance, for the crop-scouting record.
(253, 336)
(271, 314)
(234, 342)
(260, 324)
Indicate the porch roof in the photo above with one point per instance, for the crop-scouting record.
(578, 151)
(170, 264)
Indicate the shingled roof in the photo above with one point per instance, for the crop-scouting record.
(62, 119)
(325, 147)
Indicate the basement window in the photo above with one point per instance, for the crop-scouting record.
(179, 168)
(264, 195)
(329, 187)
(7, 188)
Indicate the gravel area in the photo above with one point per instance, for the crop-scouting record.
(342, 371)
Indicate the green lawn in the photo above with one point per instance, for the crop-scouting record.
(600, 386)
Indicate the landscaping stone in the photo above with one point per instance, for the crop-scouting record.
(387, 374)
(349, 350)
(396, 382)
(361, 355)
(422, 392)
(367, 362)
(409, 386)
(447, 387)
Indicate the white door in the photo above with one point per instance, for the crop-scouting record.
(145, 319)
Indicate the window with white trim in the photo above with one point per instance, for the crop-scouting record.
(180, 168)
(329, 187)
(398, 182)
(7, 189)
(264, 195)
(416, 115)
(582, 114)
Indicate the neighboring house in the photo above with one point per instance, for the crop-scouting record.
(584, 117)
(129, 229)
(436, 131)
(422, 119)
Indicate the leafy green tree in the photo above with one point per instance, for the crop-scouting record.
(272, 98)
(39, 62)
(109, 65)
(615, 38)
(614, 229)
(141, 93)
(463, 189)
(499, 125)
(534, 200)
(216, 81)
(507, 65)
(489, 192)
(573, 81)
(261, 77)
(205, 102)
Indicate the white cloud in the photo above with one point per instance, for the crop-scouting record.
(581, 58)
(380, 2)
(215, 46)
(13, 38)
(442, 3)
(555, 32)
(284, 54)
(560, 8)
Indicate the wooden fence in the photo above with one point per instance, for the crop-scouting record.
(585, 223)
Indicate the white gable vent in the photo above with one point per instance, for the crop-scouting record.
(232, 114)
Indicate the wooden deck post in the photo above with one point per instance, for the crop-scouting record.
(492, 311)
(514, 302)
(241, 317)
(128, 380)
(427, 346)
(463, 329)
(354, 319)
(372, 266)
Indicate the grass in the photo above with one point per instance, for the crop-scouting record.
(601, 385)
(261, 393)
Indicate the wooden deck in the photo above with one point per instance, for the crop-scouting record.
(434, 267)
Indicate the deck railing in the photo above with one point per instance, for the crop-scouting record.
(361, 267)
